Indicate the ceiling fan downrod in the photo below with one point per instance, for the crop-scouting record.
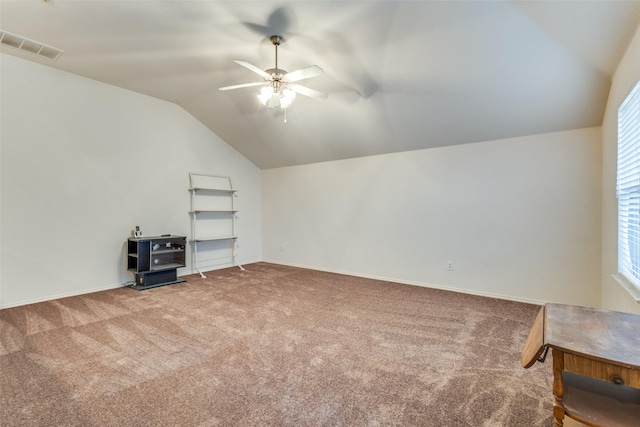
(276, 40)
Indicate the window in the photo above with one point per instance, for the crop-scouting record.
(628, 187)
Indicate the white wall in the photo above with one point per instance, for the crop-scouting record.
(83, 163)
(519, 218)
(614, 296)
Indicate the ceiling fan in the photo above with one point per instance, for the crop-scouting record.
(278, 88)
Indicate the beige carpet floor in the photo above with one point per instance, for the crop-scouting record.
(271, 346)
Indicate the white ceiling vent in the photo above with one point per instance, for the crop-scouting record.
(28, 45)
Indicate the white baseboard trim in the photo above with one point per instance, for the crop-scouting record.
(58, 296)
(308, 267)
(101, 288)
(414, 283)
(191, 271)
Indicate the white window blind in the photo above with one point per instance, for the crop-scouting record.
(628, 187)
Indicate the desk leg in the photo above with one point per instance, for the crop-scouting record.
(558, 388)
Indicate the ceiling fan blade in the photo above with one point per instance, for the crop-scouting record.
(304, 73)
(309, 92)
(253, 68)
(241, 86)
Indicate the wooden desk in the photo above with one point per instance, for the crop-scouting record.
(596, 363)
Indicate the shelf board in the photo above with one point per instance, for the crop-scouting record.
(590, 401)
(211, 239)
(163, 238)
(197, 211)
(166, 251)
(166, 266)
(219, 190)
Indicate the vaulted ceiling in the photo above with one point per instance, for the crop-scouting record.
(400, 75)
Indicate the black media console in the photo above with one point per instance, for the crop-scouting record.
(154, 260)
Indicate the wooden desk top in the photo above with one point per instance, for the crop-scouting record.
(608, 336)
(596, 363)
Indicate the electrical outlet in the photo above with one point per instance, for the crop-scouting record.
(450, 265)
(281, 248)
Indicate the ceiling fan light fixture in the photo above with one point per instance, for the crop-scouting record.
(265, 94)
(287, 96)
(281, 95)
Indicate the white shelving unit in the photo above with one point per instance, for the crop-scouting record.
(213, 221)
